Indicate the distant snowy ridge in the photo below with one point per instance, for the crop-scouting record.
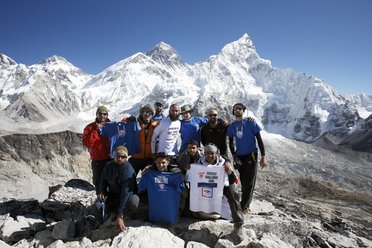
(58, 96)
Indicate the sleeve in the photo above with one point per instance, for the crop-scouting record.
(231, 146)
(202, 136)
(103, 182)
(201, 121)
(128, 179)
(155, 136)
(232, 178)
(260, 143)
(90, 135)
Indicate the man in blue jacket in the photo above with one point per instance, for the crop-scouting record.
(118, 184)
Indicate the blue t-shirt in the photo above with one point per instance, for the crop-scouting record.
(158, 117)
(123, 134)
(164, 193)
(190, 130)
(244, 133)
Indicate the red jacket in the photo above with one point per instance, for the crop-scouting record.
(99, 146)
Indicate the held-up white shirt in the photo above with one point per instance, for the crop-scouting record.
(206, 186)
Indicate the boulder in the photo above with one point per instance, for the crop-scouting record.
(64, 230)
(13, 230)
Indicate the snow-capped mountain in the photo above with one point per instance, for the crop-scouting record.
(295, 105)
(40, 94)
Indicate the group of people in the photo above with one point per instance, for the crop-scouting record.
(174, 175)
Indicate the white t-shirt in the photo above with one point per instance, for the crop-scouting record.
(206, 187)
(167, 133)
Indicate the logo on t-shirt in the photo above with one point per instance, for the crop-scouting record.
(201, 174)
(207, 192)
(121, 130)
(160, 181)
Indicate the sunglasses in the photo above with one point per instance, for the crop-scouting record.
(102, 113)
(212, 115)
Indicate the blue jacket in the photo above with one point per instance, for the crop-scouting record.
(190, 130)
(120, 180)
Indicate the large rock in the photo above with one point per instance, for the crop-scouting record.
(13, 230)
(64, 230)
(20, 207)
(150, 236)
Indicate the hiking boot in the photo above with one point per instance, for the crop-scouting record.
(246, 211)
(238, 231)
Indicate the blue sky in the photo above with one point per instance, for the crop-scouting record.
(330, 39)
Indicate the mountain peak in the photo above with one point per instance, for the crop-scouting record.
(164, 53)
(5, 60)
(162, 49)
(245, 39)
(55, 59)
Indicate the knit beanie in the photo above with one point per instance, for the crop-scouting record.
(101, 109)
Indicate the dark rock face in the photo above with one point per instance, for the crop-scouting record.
(29, 147)
(307, 126)
(276, 115)
(79, 184)
(20, 207)
(360, 139)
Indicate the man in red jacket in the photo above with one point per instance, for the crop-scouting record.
(99, 147)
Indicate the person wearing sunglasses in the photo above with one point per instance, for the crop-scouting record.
(158, 116)
(147, 124)
(245, 134)
(118, 187)
(214, 132)
(191, 125)
(99, 147)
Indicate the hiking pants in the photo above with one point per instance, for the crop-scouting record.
(247, 174)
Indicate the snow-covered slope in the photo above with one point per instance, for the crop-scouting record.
(363, 102)
(43, 93)
(290, 103)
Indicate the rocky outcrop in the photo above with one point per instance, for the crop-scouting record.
(30, 164)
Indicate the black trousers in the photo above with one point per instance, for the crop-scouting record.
(247, 174)
(97, 168)
(233, 198)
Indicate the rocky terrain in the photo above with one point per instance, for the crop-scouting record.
(311, 195)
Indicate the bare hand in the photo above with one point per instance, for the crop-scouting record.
(251, 119)
(100, 197)
(100, 125)
(263, 162)
(120, 224)
(228, 169)
(225, 123)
